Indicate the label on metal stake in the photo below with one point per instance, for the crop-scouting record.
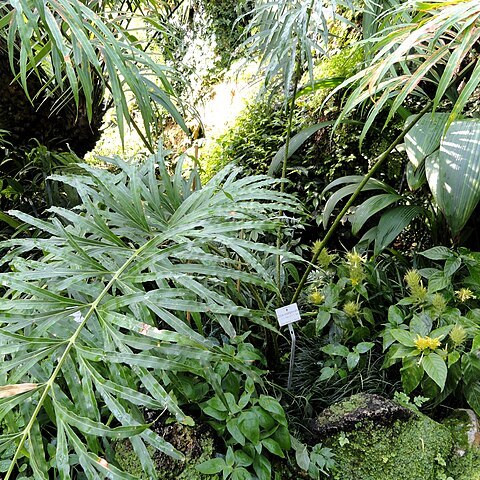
(288, 314)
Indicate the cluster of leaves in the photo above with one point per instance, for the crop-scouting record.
(126, 303)
(434, 331)
(344, 303)
(436, 158)
(79, 50)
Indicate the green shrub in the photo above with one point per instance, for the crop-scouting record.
(125, 303)
(260, 131)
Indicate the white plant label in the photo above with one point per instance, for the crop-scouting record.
(288, 314)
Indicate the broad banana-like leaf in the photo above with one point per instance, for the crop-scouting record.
(370, 207)
(392, 224)
(453, 173)
(424, 137)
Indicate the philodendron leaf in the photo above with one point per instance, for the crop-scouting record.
(454, 173)
(424, 137)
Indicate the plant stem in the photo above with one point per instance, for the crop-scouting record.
(378, 162)
(285, 160)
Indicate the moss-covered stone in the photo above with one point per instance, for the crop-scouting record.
(407, 450)
(460, 425)
(345, 415)
(195, 443)
(466, 467)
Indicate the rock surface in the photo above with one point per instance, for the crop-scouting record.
(345, 416)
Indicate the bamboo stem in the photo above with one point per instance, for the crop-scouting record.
(378, 162)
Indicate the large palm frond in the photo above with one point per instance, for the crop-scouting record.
(78, 49)
(287, 33)
(424, 48)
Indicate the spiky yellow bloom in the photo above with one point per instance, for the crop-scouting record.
(458, 335)
(316, 297)
(324, 257)
(354, 259)
(352, 309)
(413, 278)
(415, 285)
(464, 294)
(356, 274)
(439, 303)
(422, 343)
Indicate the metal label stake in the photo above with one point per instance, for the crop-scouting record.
(288, 315)
(292, 356)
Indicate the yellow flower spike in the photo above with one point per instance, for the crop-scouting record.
(354, 259)
(325, 258)
(424, 343)
(415, 285)
(352, 309)
(316, 297)
(439, 303)
(413, 278)
(464, 294)
(458, 335)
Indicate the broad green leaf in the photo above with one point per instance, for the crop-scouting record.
(370, 207)
(273, 447)
(404, 337)
(347, 191)
(424, 137)
(352, 360)
(272, 406)
(392, 223)
(436, 368)
(248, 424)
(395, 315)
(209, 467)
(335, 349)
(262, 467)
(454, 173)
(437, 253)
(412, 374)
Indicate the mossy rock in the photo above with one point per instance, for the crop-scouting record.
(196, 443)
(376, 439)
(466, 467)
(415, 449)
(346, 415)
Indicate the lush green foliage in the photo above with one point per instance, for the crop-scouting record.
(446, 161)
(435, 330)
(344, 305)
(79, 50)
(127, 305)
